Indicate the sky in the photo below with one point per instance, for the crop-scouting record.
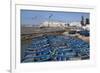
(36, 17)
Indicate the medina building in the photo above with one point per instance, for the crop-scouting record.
(53, 24)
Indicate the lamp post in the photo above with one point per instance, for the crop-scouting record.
(49, 19)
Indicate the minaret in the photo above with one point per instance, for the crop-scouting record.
(82, 21)
(87, 21)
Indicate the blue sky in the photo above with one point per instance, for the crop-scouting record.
(36, 17)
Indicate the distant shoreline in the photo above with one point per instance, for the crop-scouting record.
(28, 33)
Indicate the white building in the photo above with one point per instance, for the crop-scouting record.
(77, 24)
(87, 27)
(53, 24)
